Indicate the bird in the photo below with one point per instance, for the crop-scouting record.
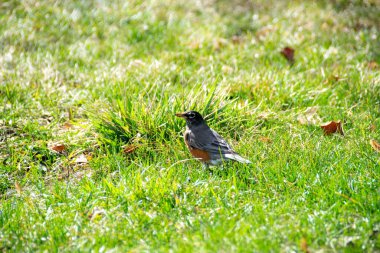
(204, 143)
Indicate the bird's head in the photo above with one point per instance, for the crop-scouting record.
(192, 118)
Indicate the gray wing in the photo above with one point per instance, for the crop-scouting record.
(210, 141)
(214, 144)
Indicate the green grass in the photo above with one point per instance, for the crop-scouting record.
(118, 72)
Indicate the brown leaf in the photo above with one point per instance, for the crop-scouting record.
(129, 149)
(67, 125)
(288, 53)
(81, 159)
(303, 245)
(333, 127)
(373, 65)
(265, 139)
(18, 187)
(372, 128)
(59, 148)
(375, 145)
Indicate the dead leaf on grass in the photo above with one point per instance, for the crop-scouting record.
(265, 139)
(372, 128)
(288, 53)
(373, 65)
(309, 117)
(67, 125)
(333, 127)
(375, 145)
(58, 148)
(129, 149)
(303, 245)
(18, 188)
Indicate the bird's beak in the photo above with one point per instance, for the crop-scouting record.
(181, 115)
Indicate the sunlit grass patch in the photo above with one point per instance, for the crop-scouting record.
(105, 79)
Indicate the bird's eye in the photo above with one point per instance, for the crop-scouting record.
(191, 115)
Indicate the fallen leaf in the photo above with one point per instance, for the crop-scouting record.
(265, 139)
(309, 116)
(372, 128)
(67, 125)
(129, 149)
(375, 145)
(18, 188)
(81, 159)
(373, 65)
(58, 148)
(303, 245)
(333, 127)
(288, 53)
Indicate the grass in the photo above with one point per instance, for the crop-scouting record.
(102, 78)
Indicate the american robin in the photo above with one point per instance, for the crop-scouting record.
(204, 143)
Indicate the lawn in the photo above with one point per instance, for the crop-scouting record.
(92, 157)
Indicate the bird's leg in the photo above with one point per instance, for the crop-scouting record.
(206, 166)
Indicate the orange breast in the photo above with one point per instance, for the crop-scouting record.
(200, 154)
(197, 153)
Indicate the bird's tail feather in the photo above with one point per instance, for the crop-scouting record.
(237, 157)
